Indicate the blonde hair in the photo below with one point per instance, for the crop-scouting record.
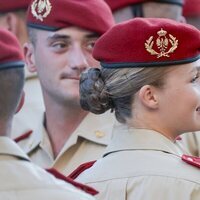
(101, 90)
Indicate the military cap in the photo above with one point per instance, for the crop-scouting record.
(10, 51)
(13, 5)
(143, 42)
(53, 15)
(191, 8)
(117, 4)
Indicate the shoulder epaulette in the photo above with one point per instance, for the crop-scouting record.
(81, 169)
(24, 136)
(192, 160)
(81, 186)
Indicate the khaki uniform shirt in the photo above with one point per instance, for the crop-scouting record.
(190, 143)
(142, 164)
(86, 143)
(22, 180)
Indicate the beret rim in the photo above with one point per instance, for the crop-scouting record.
(42, 27)
(12, 65)
(118, 65)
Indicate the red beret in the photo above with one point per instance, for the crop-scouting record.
(148, 42)
(10, 51)
(117, 4)
(94, 15)
(191, 8)
(13, 5)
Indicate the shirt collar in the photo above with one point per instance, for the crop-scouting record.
(9, 147)
(125, 138)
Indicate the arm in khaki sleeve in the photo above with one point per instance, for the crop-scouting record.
(165, 188)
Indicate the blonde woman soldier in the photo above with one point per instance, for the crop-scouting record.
(150, 72)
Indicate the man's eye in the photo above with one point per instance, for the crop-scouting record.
(90, 45)
(195, 78)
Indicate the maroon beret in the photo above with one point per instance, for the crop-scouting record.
(142, 42)
(94, 15)
(191, 8)
(117, 4)
(10, 51)
(13, 5)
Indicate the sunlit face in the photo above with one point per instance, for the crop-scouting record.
(179, 101)
(60, 57)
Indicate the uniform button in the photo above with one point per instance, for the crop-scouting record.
(99, 134)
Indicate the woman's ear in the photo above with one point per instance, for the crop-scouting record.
(29, 57)
(148, 96)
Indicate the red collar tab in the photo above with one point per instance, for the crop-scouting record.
(24, 136)
(192, 160)
(81, 169)
(178, 138)
(78, 185)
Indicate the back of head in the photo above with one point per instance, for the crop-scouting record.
(53, 15)
(131, 58)
(127, 9)
(11, 74)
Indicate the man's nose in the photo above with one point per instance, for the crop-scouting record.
(78, 60)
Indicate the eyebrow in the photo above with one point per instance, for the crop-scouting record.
(66, 37)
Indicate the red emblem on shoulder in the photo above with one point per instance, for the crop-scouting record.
(81, 186)
(24, 136)
(192, 160)
(81, 169)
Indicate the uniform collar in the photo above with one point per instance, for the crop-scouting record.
(9, 147)
(95, 128)
(125, 138)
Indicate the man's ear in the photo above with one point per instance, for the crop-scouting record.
(29, 57)
(148, 96)
(21, 102)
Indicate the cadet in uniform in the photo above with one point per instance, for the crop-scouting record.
(20, 179)
(190, 142)
(12, 18)
(128, 9)
(62, 34)
(141, 60)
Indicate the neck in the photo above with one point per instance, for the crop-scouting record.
(5, 128)
(61, 122)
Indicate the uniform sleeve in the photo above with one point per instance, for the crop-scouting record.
(165, 188)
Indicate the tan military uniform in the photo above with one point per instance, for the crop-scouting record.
(142, 164)
(87, 143)
(22, 180)
(190, 142)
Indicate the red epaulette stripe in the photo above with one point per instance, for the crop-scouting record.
(24, 136)
(81, 169)
(192, 160)
(81, 186)
(178, 138)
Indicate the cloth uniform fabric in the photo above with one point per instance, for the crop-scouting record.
(191, 8)
(142, 164)
(22, 180)
(86, 143)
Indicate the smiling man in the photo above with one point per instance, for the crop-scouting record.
(62, 34)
